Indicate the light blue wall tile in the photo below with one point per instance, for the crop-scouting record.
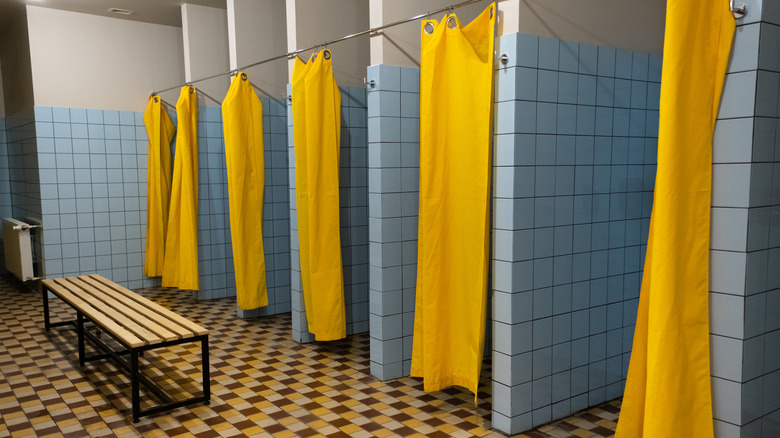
(567, 119)
(568, 56)
(586, 90)
(548, 53)
(527, 49)
(738, 98)
(623, 64)
(744, 55)
(525, 83)
(567, 87)
(588, 59)
(547, 87)
(606, 61)
(546, 118)
(639, 66)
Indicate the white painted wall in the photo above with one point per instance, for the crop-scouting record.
(15, 68)
(205, 38)
(257, 30)
(626, 24)
(315, 22)
(87, 61)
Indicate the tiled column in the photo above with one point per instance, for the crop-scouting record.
(353, 194)
(574, 169)
(394, 155)
(745, 237)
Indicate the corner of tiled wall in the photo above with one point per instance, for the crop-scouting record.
(5, 188)
(23, 165)
(353, 199)
(745, 234)
(574, 150)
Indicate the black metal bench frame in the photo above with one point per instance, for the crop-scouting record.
(132, 366)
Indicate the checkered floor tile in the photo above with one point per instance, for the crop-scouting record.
(263, 384)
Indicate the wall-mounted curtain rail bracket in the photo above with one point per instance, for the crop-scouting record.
(739, 10)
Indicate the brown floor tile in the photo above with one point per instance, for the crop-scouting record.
(263, 383)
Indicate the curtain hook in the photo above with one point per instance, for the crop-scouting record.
(739, 10)
(326, 54)
(243, 76)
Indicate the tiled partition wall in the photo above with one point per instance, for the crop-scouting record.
(575, 148)
(745, 242)
(93, 170)
(394, 160)
(5, 189)
(353, 197)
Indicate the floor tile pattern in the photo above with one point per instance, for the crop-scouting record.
(263, 384)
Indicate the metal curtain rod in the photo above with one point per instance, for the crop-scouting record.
(325, 44)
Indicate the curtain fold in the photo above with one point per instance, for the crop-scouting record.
(668, 387)
(316, 110)
(242, 118)
(160, 131)
(456, 95)
(181, 244)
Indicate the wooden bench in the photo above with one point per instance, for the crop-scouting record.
(137, 323)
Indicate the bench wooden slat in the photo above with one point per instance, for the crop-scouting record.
(162, 311)
(94, 314)
(152, 316)
(130, 325)
(129, 311)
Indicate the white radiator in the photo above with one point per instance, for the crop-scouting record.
(18, 248)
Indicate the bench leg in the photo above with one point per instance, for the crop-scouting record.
(80, 329)
(136, 398)
(204, 345)
(46, 323)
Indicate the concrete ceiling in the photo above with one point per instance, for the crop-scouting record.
(166, 12)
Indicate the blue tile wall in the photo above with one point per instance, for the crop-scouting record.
(745, 244)
(93, 173)
(574, 170)
(92, 166)
(353, 199)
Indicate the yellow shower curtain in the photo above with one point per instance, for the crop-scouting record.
(242, 118)
(181, 243)
(668, 388)
(160, 130)
(456, 94)
(317, 131)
